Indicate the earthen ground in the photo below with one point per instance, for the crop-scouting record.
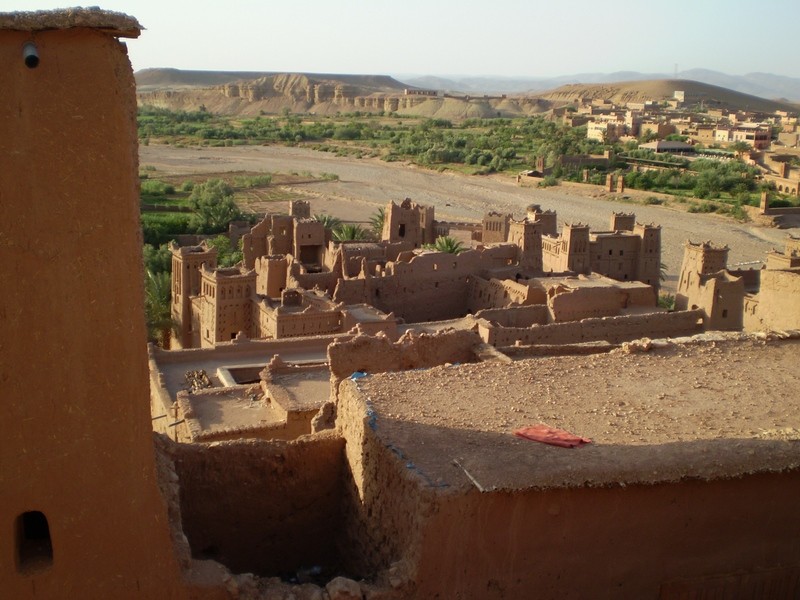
(711, 410)
(367, 184)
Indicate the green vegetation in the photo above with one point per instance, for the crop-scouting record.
(472, 146)
(227, 256)
(479, 145)
(666, 301)
(157, 308)
(328, 221)
(349, 233)
(214, 207)
(446, 244)
(376, 222)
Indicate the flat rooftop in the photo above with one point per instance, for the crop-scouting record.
(702, 410)
(304, 391)
(231, 408)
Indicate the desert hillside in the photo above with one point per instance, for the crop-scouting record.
(254, 93)
(248, 93)
(712, 96)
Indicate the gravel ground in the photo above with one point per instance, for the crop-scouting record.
(702, 410)
(365, 184)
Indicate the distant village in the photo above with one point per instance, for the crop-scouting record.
(689, 126)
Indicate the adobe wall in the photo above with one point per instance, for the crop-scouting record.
(255, 348)
(573, 304)
(516, 316)
(778, 305)
(262, 507)
(494, 293)
(609, 329)
(652, 541)
(77, 442)
(428, 287)
(385, 506)
(411, 351)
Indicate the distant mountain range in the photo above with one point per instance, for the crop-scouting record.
(764, 85)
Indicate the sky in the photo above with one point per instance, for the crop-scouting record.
(501, 38)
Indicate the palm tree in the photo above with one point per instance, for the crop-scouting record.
(328, 222)
(448, 245)
(349, 232)
(662, 271)
(157, 308)
(376, 222)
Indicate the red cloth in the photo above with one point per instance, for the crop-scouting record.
(554, 437)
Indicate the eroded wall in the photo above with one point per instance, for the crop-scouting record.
(609, 329)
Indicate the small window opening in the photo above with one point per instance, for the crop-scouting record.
(34, 547)
(724, 313)
(402, 230)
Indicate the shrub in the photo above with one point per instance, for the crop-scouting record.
(154, 187)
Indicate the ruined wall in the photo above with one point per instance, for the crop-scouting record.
(262, 507)
(610, 329)
(77, 442)
(411, 351)
(428, 287)
(651, 542)
(483, 294)
(516, 316)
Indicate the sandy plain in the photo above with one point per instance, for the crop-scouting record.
(366, 184)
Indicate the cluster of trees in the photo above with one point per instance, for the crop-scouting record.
(213, 208)
(490, 144)
(704, 179)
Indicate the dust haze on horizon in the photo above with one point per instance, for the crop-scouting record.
(504, 38)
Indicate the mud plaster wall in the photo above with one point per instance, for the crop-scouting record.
(622, 542)
(610, 329)
(779, 301)
(385, 507)
(379, 354)
(262, 507)
(77, 442)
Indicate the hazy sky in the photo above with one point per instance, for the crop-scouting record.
(526, 38)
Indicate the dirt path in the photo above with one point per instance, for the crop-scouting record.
(365, 184)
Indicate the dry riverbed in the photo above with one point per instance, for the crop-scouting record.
(366, 184)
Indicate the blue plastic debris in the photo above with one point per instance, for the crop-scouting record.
(358, 375)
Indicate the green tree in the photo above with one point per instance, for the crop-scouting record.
(376, 221)
(157, 259)
(226, 255)
(160, 324)
(214, 206)
(740, 147)
(328, 221)
(349, 233)
(448, 244)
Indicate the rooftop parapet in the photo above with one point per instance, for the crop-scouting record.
(115, 23)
